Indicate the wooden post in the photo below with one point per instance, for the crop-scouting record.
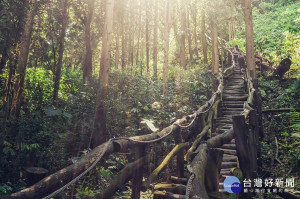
(212, 170)
(180, 155)
(138, 175)
(198, 165)
(241, 135)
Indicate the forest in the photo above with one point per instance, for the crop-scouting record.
(149, 99)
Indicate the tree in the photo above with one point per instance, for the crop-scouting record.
(57, 74)
(147, 36)
(22, 60)
(182, 34)
(250, 59)
(203, 36)
(99, 132)
(155, 40)
(88, 60)
(166, 50)
(214, 35)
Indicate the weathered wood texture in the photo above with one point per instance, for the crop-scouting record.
(164, 163)
(123, 176)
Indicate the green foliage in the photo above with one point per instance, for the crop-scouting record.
(132, 98)
(276, 31)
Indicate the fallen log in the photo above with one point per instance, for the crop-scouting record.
(167, 195)
(123, 176)
(174, 188)
(164, 163)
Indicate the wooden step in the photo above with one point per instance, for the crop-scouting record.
(241, 102)
(220, 131)
(233, 105)
(233, 92)
(233, 109)
(228, 151)
(231, 98)
(231, 112)
(221, 125)
(228, 164)
(225, 172)
(229, 146)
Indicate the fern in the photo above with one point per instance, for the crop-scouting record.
(295, 122)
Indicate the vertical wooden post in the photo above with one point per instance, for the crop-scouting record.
(241, 135)
(212, 170)
(180, 155)
(138, 176)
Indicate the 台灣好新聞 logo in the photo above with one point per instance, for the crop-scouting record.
(232, 184)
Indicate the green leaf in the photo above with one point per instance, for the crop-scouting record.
(51, 111)
(146, 108)
(67, 115)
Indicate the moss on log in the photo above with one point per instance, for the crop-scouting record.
(164, 163)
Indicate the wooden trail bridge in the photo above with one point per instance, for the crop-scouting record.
(220, 139)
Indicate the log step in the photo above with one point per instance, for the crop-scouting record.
(233, 92)
(227, 121)
(228, 151)
(235, 98)
(225, 172)
(233, 106)
(229, 146)
(229, 164)
(233, 109)
(231, 112)
(221, 125)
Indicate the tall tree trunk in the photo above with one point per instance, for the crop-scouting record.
(203, 37)
(183, 34)
(250, 59)
(194, 15)
(166, 51)
(117, 50)
(99, 133)
(22, 61)
(189, 35)
(231, 29)
(214, 35)
(88, 61)
(138, 36)
(123, 37)
(147, 35)
(3, 60)
(155, 41)
(61, 50)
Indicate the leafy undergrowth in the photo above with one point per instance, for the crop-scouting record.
(280, 148)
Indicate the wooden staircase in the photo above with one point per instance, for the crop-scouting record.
(234, 96)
